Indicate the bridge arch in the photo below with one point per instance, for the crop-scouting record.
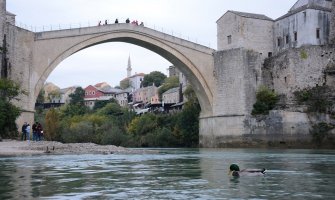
(50, 51)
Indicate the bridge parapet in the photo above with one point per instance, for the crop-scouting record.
(121, 27)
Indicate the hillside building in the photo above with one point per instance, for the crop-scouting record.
(306, 23)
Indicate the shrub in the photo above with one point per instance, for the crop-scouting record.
(266, 100)
(317, 99)
(52, 124)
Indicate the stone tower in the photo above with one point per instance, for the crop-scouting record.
(129, 68)
(2, 19)
(332, 24)
(2, 30)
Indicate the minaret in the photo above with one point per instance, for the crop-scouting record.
(129, 68)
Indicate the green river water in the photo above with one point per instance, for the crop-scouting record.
(170, 174)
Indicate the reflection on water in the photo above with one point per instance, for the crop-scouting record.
(170, 174)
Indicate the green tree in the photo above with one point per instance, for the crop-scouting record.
(78, 96)
(52, 124)
(9, 90)
(154, 77)
(76, 105)
(101, 104)
(143, 124)
(170, 82)
(111, 109)
(40, 97)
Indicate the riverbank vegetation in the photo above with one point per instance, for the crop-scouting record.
(9, 91)
(110, 124)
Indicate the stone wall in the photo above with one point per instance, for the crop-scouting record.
(2, 25)
(296, 69)
(332, 24)
(19, 43)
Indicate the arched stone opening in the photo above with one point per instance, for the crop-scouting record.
(166, 50)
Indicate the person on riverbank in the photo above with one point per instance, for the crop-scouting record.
(28, 132)
(23, 130)
(34, 129)
(39, 132)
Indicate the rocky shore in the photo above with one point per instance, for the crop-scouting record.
(17, 148)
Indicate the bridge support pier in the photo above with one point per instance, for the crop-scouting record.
(237, 74)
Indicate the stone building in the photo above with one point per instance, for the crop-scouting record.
(146, 95)
(171, 96)
(251, 31)
(306, 23)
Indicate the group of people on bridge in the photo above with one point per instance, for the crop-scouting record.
(36, 129)
(135, 22)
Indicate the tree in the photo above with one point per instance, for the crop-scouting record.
(9, 90)
(188, 121)
(78, 96)
(154, 77)
(125, 83)
(101, 104)
(52, 124)
(170, 82)
(40, 97)
(111, 109)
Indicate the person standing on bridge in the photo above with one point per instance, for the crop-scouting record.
(116, 21)
(106, 22)
(99, 23)
(127, 21)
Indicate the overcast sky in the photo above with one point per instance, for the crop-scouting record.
(193, 20)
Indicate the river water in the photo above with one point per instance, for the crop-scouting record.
(170, 174)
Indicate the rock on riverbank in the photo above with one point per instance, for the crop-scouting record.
(13, 147)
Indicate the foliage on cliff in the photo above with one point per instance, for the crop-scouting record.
(317, 99)
(266, 100)
(9, 90)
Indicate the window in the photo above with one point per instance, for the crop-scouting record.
(229, 39)
(317, 33)
(305, 15)
(295, 36)
(287, 39)
(270, 54)
(93, 93)
(278, 42)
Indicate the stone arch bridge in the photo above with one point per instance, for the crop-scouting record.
(221, 80)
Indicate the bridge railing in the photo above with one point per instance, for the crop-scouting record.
(57, 27)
